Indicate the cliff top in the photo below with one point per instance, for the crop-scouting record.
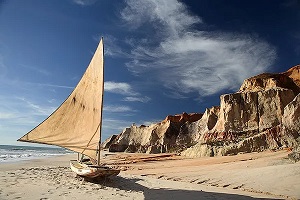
(184, 117)
(289, 80)
(294, 73)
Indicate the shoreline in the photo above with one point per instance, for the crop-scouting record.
(255, 175)
(29, 159)
(57, 160)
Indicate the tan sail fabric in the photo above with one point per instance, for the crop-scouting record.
(75, 124)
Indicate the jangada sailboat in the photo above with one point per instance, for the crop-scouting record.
(76, 123)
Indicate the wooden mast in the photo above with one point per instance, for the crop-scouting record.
(100, 127)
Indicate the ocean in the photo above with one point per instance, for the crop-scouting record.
(10, 153)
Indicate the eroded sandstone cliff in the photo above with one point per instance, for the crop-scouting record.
(263, 114)
(156, 138)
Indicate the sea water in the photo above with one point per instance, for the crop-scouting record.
(10, 153)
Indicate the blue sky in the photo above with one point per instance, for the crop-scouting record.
(162, 57)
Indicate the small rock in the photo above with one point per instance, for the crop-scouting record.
(294, 156)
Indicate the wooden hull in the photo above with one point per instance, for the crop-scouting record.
(91, 171)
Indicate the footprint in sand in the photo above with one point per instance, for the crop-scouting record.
(13, 184)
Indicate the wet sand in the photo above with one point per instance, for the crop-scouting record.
(265, 175)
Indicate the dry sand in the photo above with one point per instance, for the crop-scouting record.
(265, 175)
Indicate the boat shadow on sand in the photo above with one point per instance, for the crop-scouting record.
(156, 192)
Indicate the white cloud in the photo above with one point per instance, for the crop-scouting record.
(126, 90)
(138, 99)
(19, 115)
(52, 85)
(4, 115)
(117, 108)
(187, 59)
(112, 46)
(119, 88)
(114, 126)
(150, 122)
(171, 14)
(51, 100)
(37, 109)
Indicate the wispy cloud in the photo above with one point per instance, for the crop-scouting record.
(112, 46)
(36, 69)
(150, 122)
(117, 108)
(85, 2)
(37, 109)
(51, 100)
(19, 83)
(171, 14)
(119, 88)
(4, 115)
(138, 99)
(114, 126)
(125, 89)
(52, 85)
(19, 115)
(188, 59)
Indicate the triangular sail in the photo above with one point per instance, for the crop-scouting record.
(75, 125)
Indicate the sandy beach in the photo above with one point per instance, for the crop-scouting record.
(264, 175)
